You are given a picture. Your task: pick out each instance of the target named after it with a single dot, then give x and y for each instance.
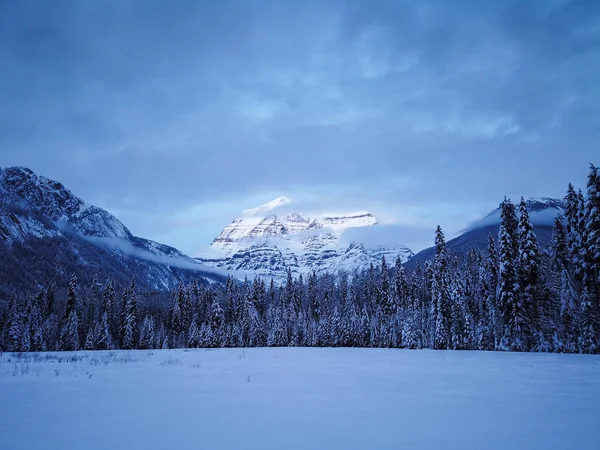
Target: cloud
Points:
(129, 249)
(182, 113)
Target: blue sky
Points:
(176, 116)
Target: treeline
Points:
(514, 296)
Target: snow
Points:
(297, 398)
(263, 242)
(279, 201)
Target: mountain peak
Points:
(266, 242)
(269, 206)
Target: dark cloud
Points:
(422, 111)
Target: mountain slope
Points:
(265, 241)
(542, 212)
(47, 233)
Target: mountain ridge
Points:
(36, 208)
(264, 242)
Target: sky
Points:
(177, 116)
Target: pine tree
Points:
(71, 298)
(129, 319)
(567, 314)
(402, 291)
(193, 339)
(529, 309)
(70, 333)
(108, 300)
(104, 337)
(177, 322)
(440, 307)
(69, 339)
(508, 287)
(572, 214)
(216, 321)
(489, 327)
(90, 338)
(206, 336)
(38, 342)
(313, 298)
(560, 250)
(147, 336)
(588, 338)
(591, 235)
(387, 302)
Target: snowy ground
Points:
(295, 398)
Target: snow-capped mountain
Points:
(33, 207)
(265, 241)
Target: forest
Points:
(512, 296)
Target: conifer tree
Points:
(508, 287)
(69, 339)
(177, 322)
(193, 339)
(591, 236)
(530, 308)
(104, 336)
(216, 321)
(402, 290)
(129, 319)
(440, 307)
(387, 302)
(588, 338)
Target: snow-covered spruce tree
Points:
(38, 341)
(231, 294)
(216, 322)
(104, 336)
(90, 338)
(206, 337)
(560, 249)
(313, 298)
(580, 258)
(177, 319)
(588, 337)
(440, 306)
(532, 313)
(591, 236)
(257, 328)
(147, 335)
(461, 330)
(574, 233)
(193, 336)
(565, 335)
(387, 304)
(511, 317)
(488, 330)
(129, 318)
(69, 336)
(277, 335)
(402, 289)
(108, 300)
(14, 325)
(259, 297)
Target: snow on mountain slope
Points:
(265, 243)
(59, 205)
(33, 206)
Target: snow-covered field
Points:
(297, 398)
